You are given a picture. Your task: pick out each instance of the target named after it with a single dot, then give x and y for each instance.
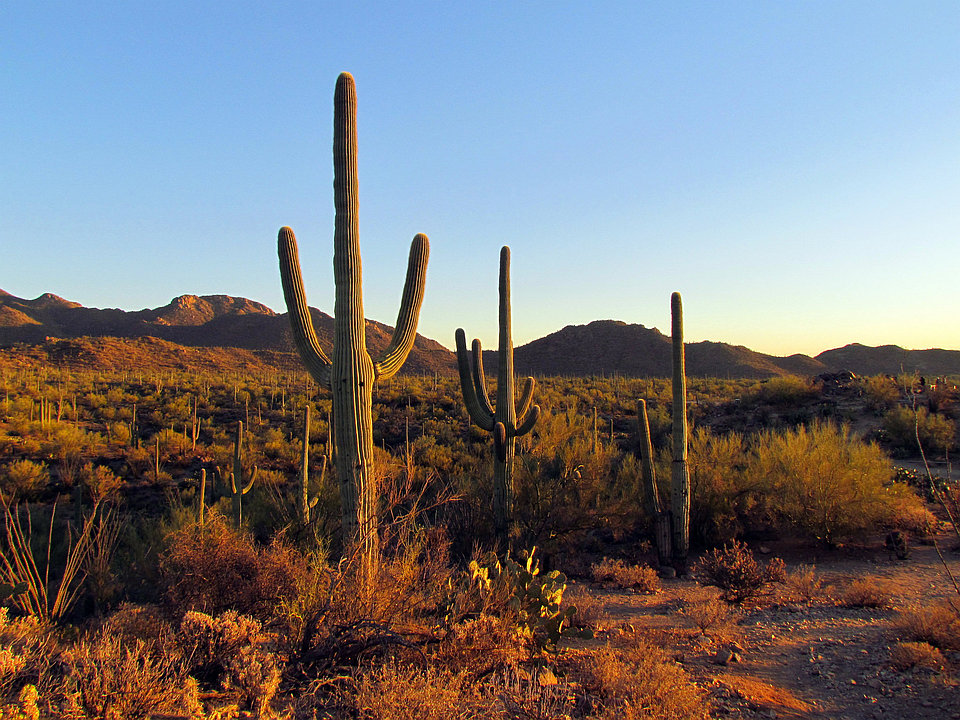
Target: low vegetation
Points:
(123, 599)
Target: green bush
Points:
(23, 478)
(826, 482)
(902, 425)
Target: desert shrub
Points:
(119, 433)
(864, 592)
(786, 391)
(734, 570)
(721, 494)
(907, 655)
(23, 479)
(109, 679)
(938, 625)
(26, 651)
(707, 614)
(101, 482)
(881, 392)
(639, 682)
(901, 425)
(804, 583)
(591, 611)
(641, 578)
(215, 567)
(824, 481)
(393, 692)
(231, 648)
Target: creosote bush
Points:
(215, 567)
(641, 578)
(864, 592)
(734, 570)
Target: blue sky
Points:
(792, 168)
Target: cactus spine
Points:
(351, 372)
(508, 421)
(680, 477)
(237, 486)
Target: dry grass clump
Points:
(804, 583)
(737, 574)
(637, 682)
(866, 593)
(907, 655)
(215, 567)
(110, 678)
(481, 646)
(938, 625)
(708, 614)
(392, 692)
(640, 578)
(591, 611)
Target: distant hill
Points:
(207, 321)
(600, 347)
(892, 360)
(615, 347)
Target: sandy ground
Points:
(809, 659)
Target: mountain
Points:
(607, 347)
(207, 321)
(892, 360)
(601, 347)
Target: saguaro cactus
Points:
(508, 421)
(239, 488)
(680, 476)
(351, 372)
(307, 503)
(661, 518)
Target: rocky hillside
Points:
(207, 321)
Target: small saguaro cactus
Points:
(661, 517)
(307, 503)
(351, 373)
(508, 421)
(680, 476)
(239, 488)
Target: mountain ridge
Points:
(597, 348)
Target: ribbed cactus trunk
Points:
(506, 415)
(660, 517)
(507, 422)
(680, 477)
(351, 372)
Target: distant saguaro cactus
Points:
(239, 488)
(508, 421)
(680, 476)
(351, 373)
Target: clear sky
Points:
(791, 167)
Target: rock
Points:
(723, 657)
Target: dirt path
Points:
(817, 659)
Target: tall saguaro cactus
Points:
(680, 476)
(508, 421)
(351, 372)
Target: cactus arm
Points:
(479, 376)
(301, 324)
(480, 412)
(526, 397)
(500, 441)
(529, 420)
(405, 332)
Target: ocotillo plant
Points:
(508, 421)
(680, 476)
(661, 518)
(351, 372)
(239, 488)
